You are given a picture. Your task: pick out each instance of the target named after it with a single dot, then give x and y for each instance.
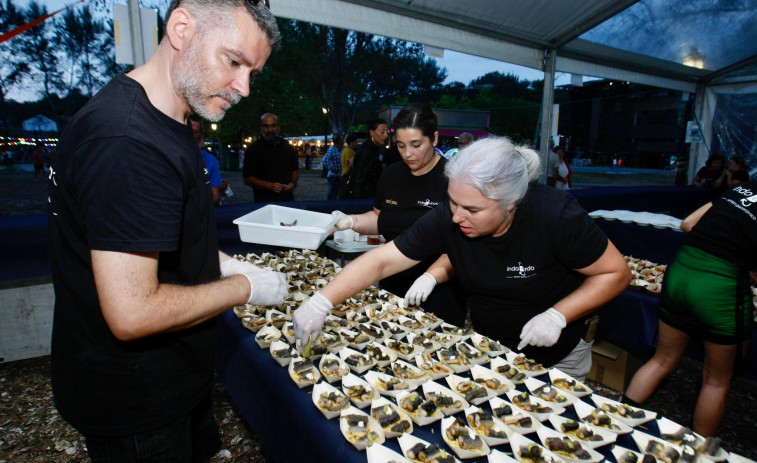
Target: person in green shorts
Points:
(707, 294)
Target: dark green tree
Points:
(13, 66)
(39, 50)
(79, 33)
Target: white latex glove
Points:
(343, 222)
(238, 267)
(421, 289)
(267, 288)
(308, 319)
(543, 330)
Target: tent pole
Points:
(547, 101)
(135, 25)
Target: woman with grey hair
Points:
(533, 262)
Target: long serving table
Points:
(289, 425)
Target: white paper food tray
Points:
(263, 226)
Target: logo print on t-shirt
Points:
(207, 174)
(428, 203)
(520, 271)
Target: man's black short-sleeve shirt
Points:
(511, 278)
(127, 178)
(273, 163)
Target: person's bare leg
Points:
(671, 344)
(716, 381)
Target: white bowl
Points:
(541, 416)
(563, 398)
(304, 380)
(417, 418)
(499, 362)
(618, 451)
(481, 343)
(408, 441)
(484, 432)
(544, 433)
(404, 418)
(428, 319)
(351, 436)
(266, 336)
(642, 439)
(511, 356)
(517, 413)
(555, 375)
(378, 382)
(475, 356)
(499, 457)
(351, 381)
(667, 426)
(633, 422)
(460, 403)
(454, 382)
(404, 356)
(392, 356)
(456, 330)
(459, 365)
(341, 371)
(463, 453)
(378, 453)
(346, 352)
(394, 330)
(607, 436)
(428, 345)
(481, 373)
(324, 388)
(416, 375)
(517, 441)
(436, 370)
(278, 346)
(616, 427)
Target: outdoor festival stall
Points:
(264, 390)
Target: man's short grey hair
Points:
(497, 168)
(467, 134)
(218, 13)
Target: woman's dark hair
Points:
(713, 158)
(373, 123)
(350, 138)
(417, 116)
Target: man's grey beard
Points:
(190, 85)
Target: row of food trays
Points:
(377, 366)
(646, 275)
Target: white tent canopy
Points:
(683, 46)
(40, 123)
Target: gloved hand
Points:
(421, 289)
(308, 319)
(267, 288)
(344, 221)
(543, 330)
(234, 266)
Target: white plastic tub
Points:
(264, 226)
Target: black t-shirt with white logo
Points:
(729, 228)
(513, 277)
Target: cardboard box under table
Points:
(611, 365)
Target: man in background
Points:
(270, 164)
(133, 243)
(332, 162)
(465, 139)
(348, 157)
(211, 163)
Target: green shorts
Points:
(706, 296)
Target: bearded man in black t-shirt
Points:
(271, 164)
(133, 245)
